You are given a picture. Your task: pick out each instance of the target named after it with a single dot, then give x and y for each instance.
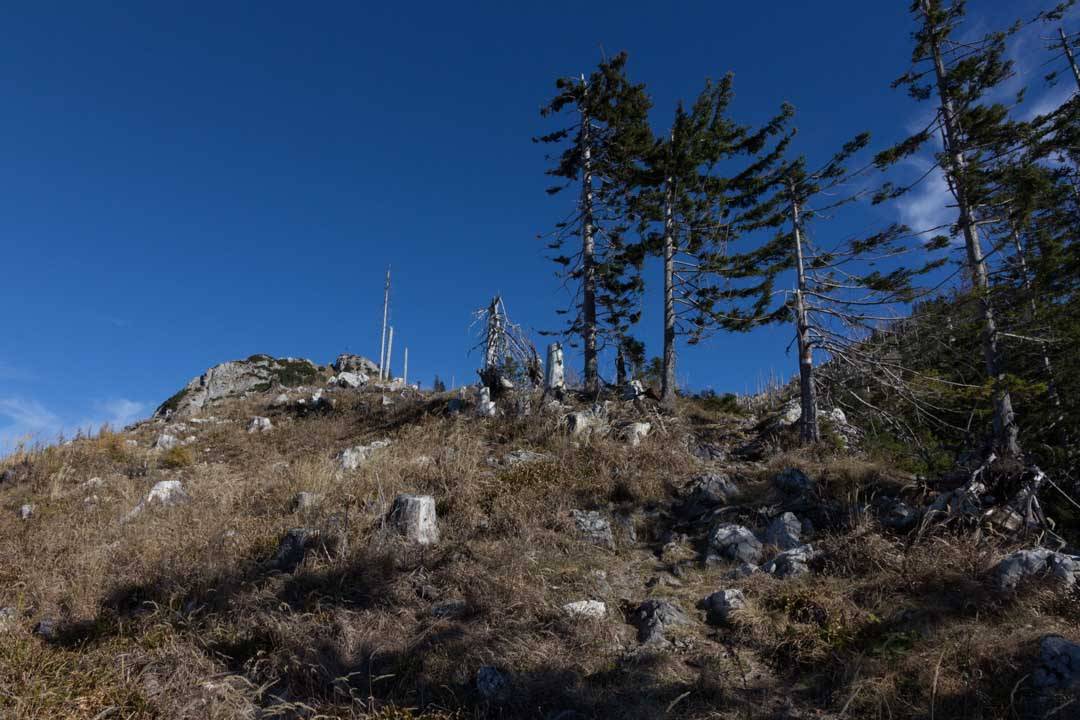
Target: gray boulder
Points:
(414, 517)
(164, 493)
(234, 378)
(350, 379)
(653, 617)
(784, 531)
(721, 604)
(26, 511)
(706, 492)
(1059, 663)
(593, 527)
(791, 563)
(793, 481)
(734, 542)
(1023, 565)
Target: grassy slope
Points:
(175, 614)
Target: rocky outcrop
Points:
(354, 457)
(721, 604)
(255, 374)
(349, 363)
(784, 531)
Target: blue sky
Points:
(187, 183)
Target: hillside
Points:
(206, 564)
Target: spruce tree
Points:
(957, 76)
(688, 208)
(600, 153)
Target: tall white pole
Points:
(383, 360)
(389, 348)
(405, 372)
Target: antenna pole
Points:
(383, 354)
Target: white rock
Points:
(414, 517)
(592, 609)
(166, 441)
(636, 432)
(354, 457)
(633, 390)
(168, 493)
(484, 406)
(26, 511)
(350, 379)
(260, 424)
(280, 400)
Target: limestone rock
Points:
(706, 492)
(350, 379)
(793, 481)
(280, 400)
(634, 433)
(234, 378)
(1023, 565)
(48, 629)
(260, 424)
(633, 390)
(594, 527)
(516, 457)
(653, 617)
(784, 532)
(1059, 663)
(354, 457)
(414, 517)
(9, 618)
(791, 563)
(26, 511)
(484, 405)
(165, 441)
(348, 363)
(722, 603)
(165, 493)
(734, 542)
(590, 609)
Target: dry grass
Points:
(176, 613)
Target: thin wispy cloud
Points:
(29, 421)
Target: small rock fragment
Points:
(593, 609)
(653, 617)
(26, 511)
(791, 563)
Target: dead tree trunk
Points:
(588, 255)
(808, 422)
(1006, 432)
(667, 383)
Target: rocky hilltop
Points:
(287, 540)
